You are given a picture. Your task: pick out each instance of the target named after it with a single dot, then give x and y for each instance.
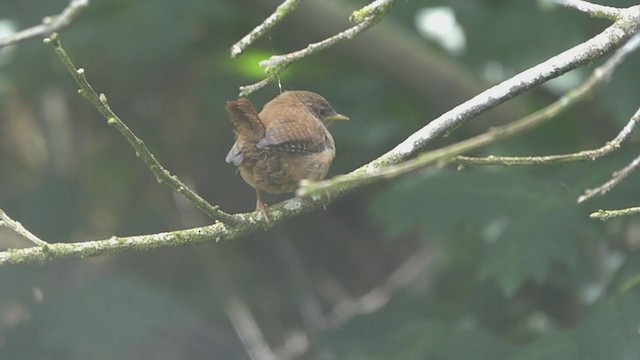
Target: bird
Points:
(288, 141)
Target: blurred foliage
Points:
(527, 223)
(519, 270)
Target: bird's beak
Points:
(336, 117)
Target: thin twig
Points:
(162, 175)
(275, 65)
(594, 154)
(616, 178)
(248, 89)
(481, 103)
(347, 308)
(609, 214)
(8, 222)
(49, 25)
(282, 10)
(594, 10)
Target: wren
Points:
(286, 142)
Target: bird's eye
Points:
(323, 112)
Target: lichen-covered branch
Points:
(611, 38)
(218, 232)
(275, 65)
(162, 175)
(282, 10)
(49, 24)
(8, 222)
(376, 8)
(610, 214)
(114, 245)
(594, 10)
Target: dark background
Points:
(506, 265)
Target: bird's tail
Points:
(245, 119)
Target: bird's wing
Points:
(304, 135)
(235, 155)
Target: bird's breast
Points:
(278, 172)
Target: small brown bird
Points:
(287, 142)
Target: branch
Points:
(607, 149)
(218, 232)
(609, 214)
(248, 89)
(113, 245)
(594, 10)
(282, 10)
(49, 24)
(616, 178)
(275, 65)
(609, 39)
(8, 222)
(599, 75)
(162, 175)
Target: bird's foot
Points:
(262, 207)
(263, 210)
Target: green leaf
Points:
(610, 332)
(528, 223)
(434, 340)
